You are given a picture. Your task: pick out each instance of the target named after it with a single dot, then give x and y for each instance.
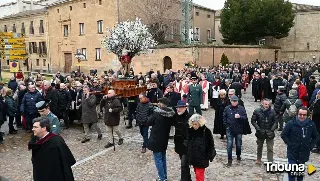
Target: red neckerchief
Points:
(46, 138)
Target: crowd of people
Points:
(172, 106)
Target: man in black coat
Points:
(51, 157)
(50, 93)
(144, 111)
(311, 86)
(280, 99)
(256, 88)
(266, 87)
(155, 93)
(161, 121)
(64, 104)
(181, 136)
(264, 121)
(237, 86)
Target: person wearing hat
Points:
(280, 99)
(195, 98)
(161, 121)
(43, 109)
(181, 125)
(234, 117)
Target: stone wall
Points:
(304, 38)
(244, 55)
(203, 56)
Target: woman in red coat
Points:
(303, 93)
(20, 75)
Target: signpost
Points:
(23, 46)
(14, 57)
(14, 66)
(13, 52)
(11, 40)
(12, 48)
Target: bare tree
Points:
(162, 16)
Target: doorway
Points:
(167, 63)
(67, 62)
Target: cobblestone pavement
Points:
(94, 162)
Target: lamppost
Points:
(80, 57)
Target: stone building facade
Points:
(35, 26)
(218, 36)
(81, 26)
(303, 42)
(203, 24)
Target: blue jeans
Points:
(144, 133)
(238, 139)
(161, 164)
(294, 178)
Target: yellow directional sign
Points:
(13, 52)
(12, 46)
(12, 40)
(11, 35)
(14, 57)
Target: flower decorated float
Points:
(126, 40)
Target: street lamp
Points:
(80, 57)
(314, 58)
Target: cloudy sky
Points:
(218, 4)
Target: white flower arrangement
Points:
(130, 35)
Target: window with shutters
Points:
(14, 30)
(81, 26)
(65, 30)
(31, 29)
(30, 47)
(41, 28)
(100, 26)
(84, 52)
(5, 29)
(42, 48)
(98, 54)
(23, 29)
(34, 47)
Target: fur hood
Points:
(166, 112)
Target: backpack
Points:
(292, 110)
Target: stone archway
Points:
(167, 63)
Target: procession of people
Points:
(172, 107)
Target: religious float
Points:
(128, 39)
